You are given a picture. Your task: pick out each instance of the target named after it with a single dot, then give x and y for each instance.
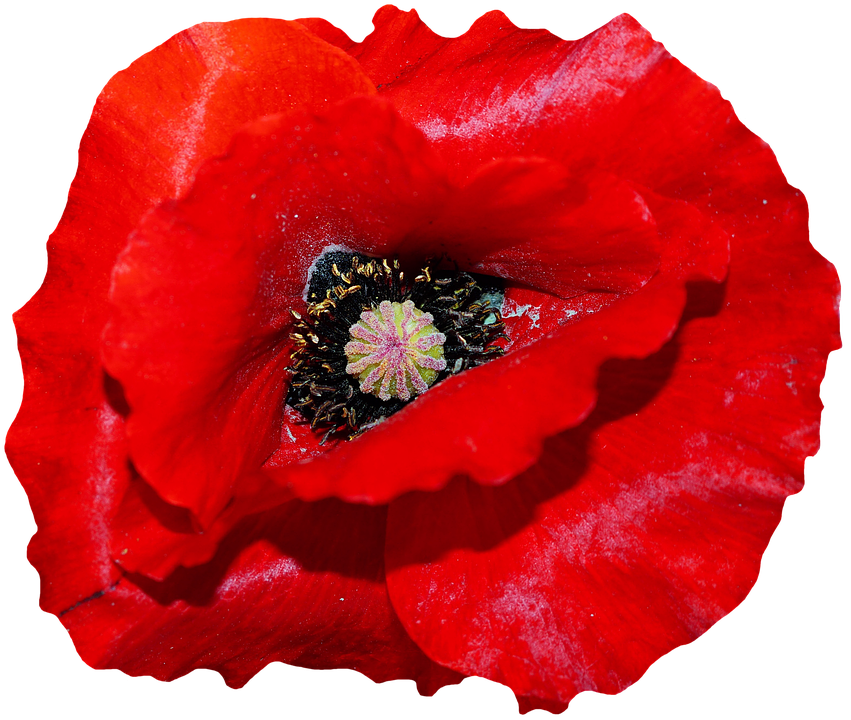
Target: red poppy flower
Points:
(555, 519)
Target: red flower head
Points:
(426, 357)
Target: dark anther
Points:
(464, 308)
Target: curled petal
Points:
(199, 337)
(637, 531)
(489, 423)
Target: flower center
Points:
(370, 341)
(395, 351)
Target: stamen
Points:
(368, 342)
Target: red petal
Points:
(303, 585)
(199, 337)
(206, 82)
(637, 531)
(67, 435)
(614, 100)
(498, 90)
(474, 420)
(67, 447)
(588, 567)
(530, 220)
(632, 535)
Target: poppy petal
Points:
(68, 438)
(614, 100)
(638, 530)
(489, 422)
(302, 585)
(199, 337)
(532, 221)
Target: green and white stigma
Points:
(395, 351)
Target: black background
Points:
(767, 657)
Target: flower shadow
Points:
(115, 395)
(329, 536)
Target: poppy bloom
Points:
(402, 565)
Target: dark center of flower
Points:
(370, 343)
